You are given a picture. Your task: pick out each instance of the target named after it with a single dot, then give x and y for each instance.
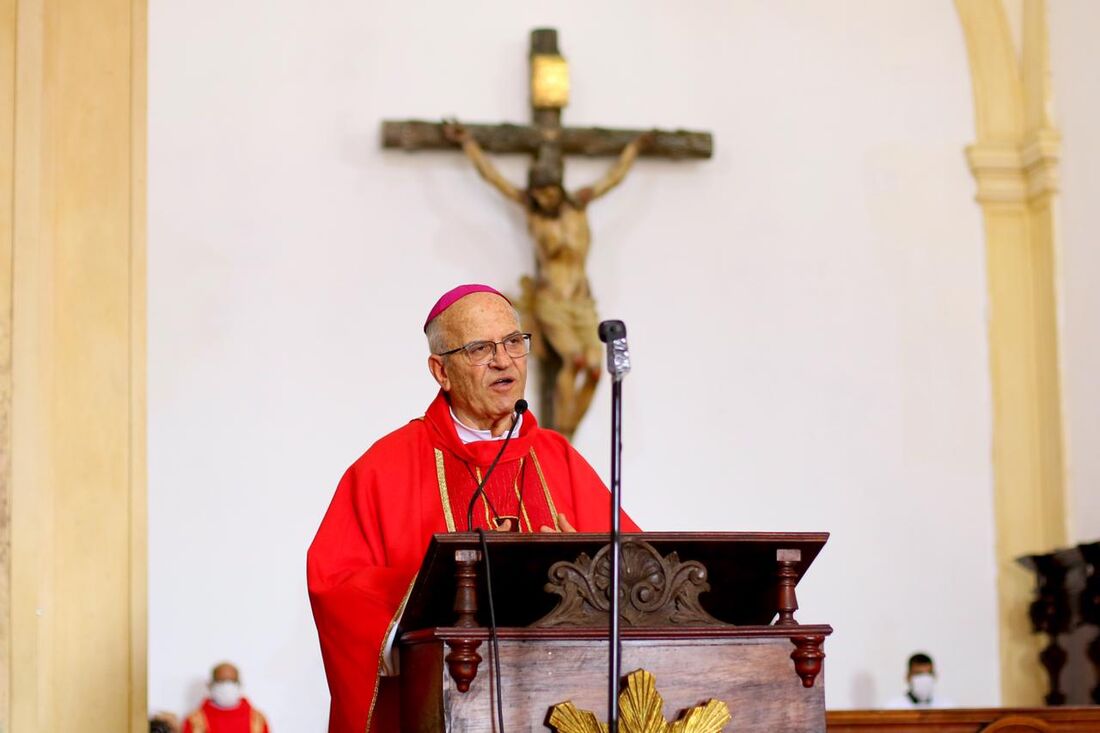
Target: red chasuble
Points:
(409, 485)
(211, 719)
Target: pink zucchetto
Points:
(453, 295)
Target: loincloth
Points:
(570, 325)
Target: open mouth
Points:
(503, 383)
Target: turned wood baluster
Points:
(787, 602)
(463, 659)
(1090, 606)
(1050, 615)
(808, 656)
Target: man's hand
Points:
(455, 131)
(503, 524)
(562, 522)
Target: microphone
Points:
(613, 333)
(519, 409)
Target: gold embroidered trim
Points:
(546, 490)
(484, 498)
(256, 722)
(519, 496)
(444, 496)
(382, 650)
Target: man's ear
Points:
(439, 372)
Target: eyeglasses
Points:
(479, 353)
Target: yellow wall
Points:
(1014, 161)
(75, 241)
(7, 181)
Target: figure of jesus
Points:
(562, 302)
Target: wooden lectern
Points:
(711, 616)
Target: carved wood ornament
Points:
(640, 711)
(1051, 614)
(1089, 604)
(655, 590)
(659, 594)
(808, 656)
(463, 659)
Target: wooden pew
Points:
(985, 720)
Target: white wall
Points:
(806, 310)
(1073, 25)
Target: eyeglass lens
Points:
(482, 352)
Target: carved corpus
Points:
(654, 590)
(640, 712)
(463, 659)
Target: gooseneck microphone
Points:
(519, 409)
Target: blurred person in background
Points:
(922, 693)
(225, 710)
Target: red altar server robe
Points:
(211, 719)
(409, 485)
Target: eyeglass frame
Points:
(495, 344)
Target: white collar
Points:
(472, 435)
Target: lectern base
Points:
(755, 677)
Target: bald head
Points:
(444, 331)
(225, 672)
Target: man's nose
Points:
(501, 358)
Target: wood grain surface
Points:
(754, 677)
(987, 720)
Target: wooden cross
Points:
(545, 138)
(559, 307)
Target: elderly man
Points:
(420, 480)
(225, 710)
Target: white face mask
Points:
(922, 685)
(226, 694)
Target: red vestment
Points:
(209, 718)
(409, 485)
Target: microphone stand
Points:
(613, 333)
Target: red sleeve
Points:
(354, 596)
(187, 725)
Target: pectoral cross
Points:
(557, 301)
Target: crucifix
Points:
(557, 303)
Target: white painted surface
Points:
(1074, 62)
(806, 310)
